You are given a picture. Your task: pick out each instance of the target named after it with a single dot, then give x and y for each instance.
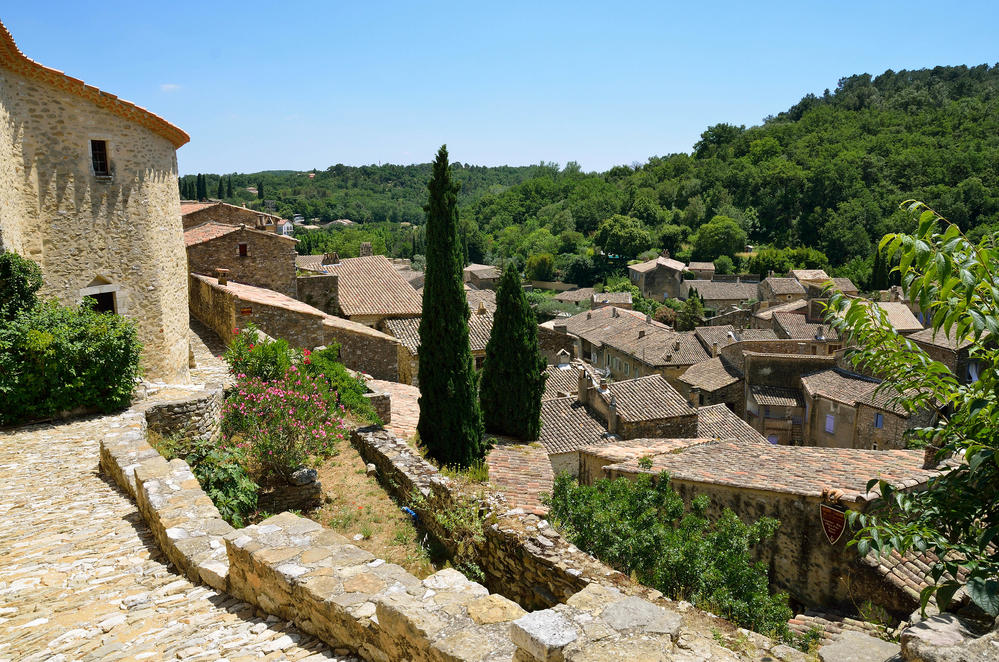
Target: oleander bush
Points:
(348, 390)
(254, 355)
(56, 358)
(643, 528)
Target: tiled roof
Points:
(264, 296)
(790, 306)
(310, 262)
(720, 422)
(612, 297)
(899, 316)
(207, 231)
(800, 470)
(839, 385)
(13, 59)
(189, 206)
(573, 296)
(483, 270)
(563, 381)
(407, 330)
(845, 285)
(566, 426)
(631, 332)
(702, 266)
(808, 274)
(371, 286)
(522, 472)
(665, 262)
(783, 286)
(474, 297)
(647, 399)
(884, 399)
(777, 396)
(633, 449)
(714, 290)
(929, 336)
(710, 375)
(757, 334)
(797, 328)
(831, 625)
(723, 335)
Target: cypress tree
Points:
(228, 187)
(450, 424)
(260, 190)
(513, 378)
(202, 187)
(221, 191)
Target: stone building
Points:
(718, 295)
(369, 289)
(253, 257)
(713, 382)
(194, 213)
(407, 330)
(775, 290)
(952, 353)
(482, 276)
(618, 299)
(658, 279)
(702, 270)
(644, 407)
(88, 190)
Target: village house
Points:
(369, 289)
(806, 276)
(643, 407)
(816, 290)
(718, 295)
(702, 270)
(774, 290)
(711, 382)
(578, 297)
(566, 426)
(658, 279)
(824, 339)
(88, 191)
(194, 213)
(763, 318)
(955, 355)
(482, 276)
(626, 344)
(253, 257)
(790, 485)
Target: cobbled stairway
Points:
(81, 577)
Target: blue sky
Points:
(297, 85)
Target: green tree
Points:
(671, 237)
(690, 316)
(622, 236)
(450, 425)
(540, 267)
(228, 187)
(719, 236)
(513, 375)
(956, 517)
(202, 191)
(220, 193)
(20, 280)
(724, 265)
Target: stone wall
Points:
(780, 369)
(298, 571)
(121, 233)
(363, 348)
(290, 497)
(844, 420)
(735, 352)
(230, 215)
(198, 416)
(269, 261)
(551, 341)
(215, 307)
(319, 291)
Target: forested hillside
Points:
(827, 174)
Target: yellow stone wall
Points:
(125, 231)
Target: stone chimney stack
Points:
(695, 397)
(714, 348)
(223, 275)
(582, 387)
(612, 417)
(365, 249)
(481, 310)
(641, 333)
(613, 312)
(331, 258)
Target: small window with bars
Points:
(99, 157)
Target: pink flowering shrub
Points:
(282, 424)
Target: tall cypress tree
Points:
(513, 378)
(202, 187)
(260, 190)
(450, 419)
(221, 190)
(228, 187)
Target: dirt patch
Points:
(355, 505)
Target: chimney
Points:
(481, 310)
(612, 418)
(223, 276)
(562, 357)
(365, 249)
(676, 345)
(695, 397)
(613, 312)
(603, 383)
(641, 333)
(648, 319)
(588, 314)
(714, 348)
(561, 327)
(582, 386)
(930, 456)
(819, 335)
(331, 258)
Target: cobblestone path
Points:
(81, 577)
(405, 407)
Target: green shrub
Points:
(220, 471)
(251, 355)
(54, 358)
(642, 527)
(20, 280)
(347, 390)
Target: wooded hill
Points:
(828, 173)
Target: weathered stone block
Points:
(543, 634)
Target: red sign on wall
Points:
(245, 311)
(833, 522)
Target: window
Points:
(830, 423)
(879, 421)
(99, 156)
(243, 250)
(104, 301)
(627, 369)
(772, 439)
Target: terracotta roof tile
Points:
(767, 314)
(899, 316)
(573, 296)
(633, 449)
(371, 286)
(407, 330)
(929, 336)
(189, 206)
(206, 232)
(483, 270)
(702, 266)
(562, 381)
(612, 297)
(522, 472)
(839, 385)
(566, 426)
(797, 328)
(665, 262)
(714, 290)
(631, 332)
(777, 396)
(724, 335)
(264, 296)
(789, 469)
(647, 399)
(720, 422)
(711, 375)
(808, 274)
(782, 286)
